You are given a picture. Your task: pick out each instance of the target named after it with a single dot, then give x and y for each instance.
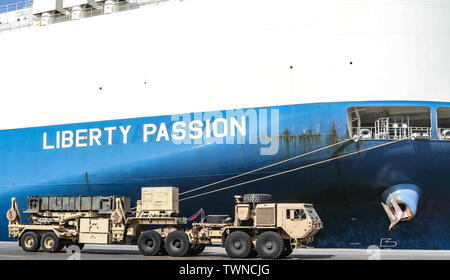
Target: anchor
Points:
(395, 213)
(400, 203)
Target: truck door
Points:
(295, 222)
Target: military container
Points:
(160, 200)
(102, 204)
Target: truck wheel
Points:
(238, 244)
(177, 243)
(257, 198)
(30, 241)
(149, 243)
(50, 242)
(269, 245)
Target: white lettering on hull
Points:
(205, 128)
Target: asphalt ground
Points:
(12, 251)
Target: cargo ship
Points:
(344, 104)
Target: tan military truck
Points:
(260, 228)
(270, 230)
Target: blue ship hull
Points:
(346, 192)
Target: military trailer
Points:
(260, 228)
(57, 221)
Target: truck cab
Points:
(271, 230)
(298, 220)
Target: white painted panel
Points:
(72, 3)
(199, 55)
(44, 6)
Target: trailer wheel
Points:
(30, 241)
(238, 244)
(177, 243)
(149, 243)
(51, 243)
(270, 245)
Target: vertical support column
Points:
(434, 123)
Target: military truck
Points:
(260, 228)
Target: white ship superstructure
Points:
(29, 13)
(202, 55)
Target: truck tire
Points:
(177, 243)
(30, 241)
(257, 198)
(149, 243)
(238, 244)
(270, 245)
(50, 243)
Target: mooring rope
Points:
(294, 169)
(264, 167)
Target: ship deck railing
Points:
(444, 133)
(391, 133)
(12, 7)
(37, 20)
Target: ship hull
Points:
(346, 192)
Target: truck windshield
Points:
(312, 212)
(299, 214)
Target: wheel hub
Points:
(49, 242)
(29, 242)
(237, 245)
(149, 243)
(269, 245)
